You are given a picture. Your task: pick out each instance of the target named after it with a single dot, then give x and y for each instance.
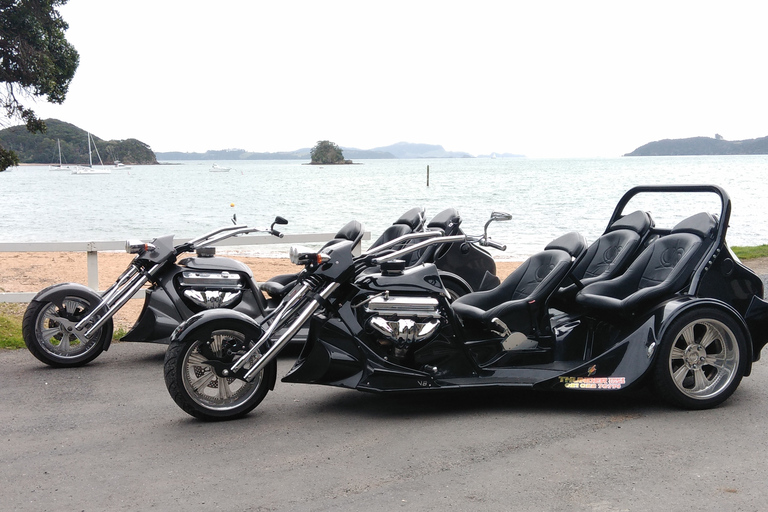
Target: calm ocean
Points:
(547, 197)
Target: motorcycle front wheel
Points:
(193, 375)
(49, 333)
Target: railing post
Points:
(92, 261)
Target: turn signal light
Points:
(137, 246)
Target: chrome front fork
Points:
(114, 298)
(280, 319)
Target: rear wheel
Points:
(49, 332)
(195, 369)
(702, 359)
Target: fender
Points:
(458, 282)
(57, 292)
(211, 319)
(676, 307)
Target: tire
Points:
(195, 386)
(454, 288)
(702, 359)
(48, 331)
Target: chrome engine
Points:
(403, 321)
(211, 290)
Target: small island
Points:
(703, 146)
(326, 152)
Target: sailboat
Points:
(90, 169)
(60, 167)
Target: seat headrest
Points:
(701, 224)
(447, 220)
(572, 243)
(352, 231)
(413, 218)
(638, 221)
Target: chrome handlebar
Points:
(481, 240)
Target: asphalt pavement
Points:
(107, 436)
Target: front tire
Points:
(196, 386)
(702, 359)
(48, 330)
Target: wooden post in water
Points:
(427, 175)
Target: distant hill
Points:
(501, 155)
(241, 154)
(42, 148)
(411, 150)
(703, 146)
(231, 154)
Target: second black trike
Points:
(670, 306)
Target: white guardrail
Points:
(92, 250)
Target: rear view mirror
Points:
(280, 220)
(495, 216)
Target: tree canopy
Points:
(35, 60)
(326, 152)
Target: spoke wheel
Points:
(50, 335)
(194, 374)
(702, 359)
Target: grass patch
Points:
(11, 315)
(10, 325)
(750, 252)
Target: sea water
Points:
(547, 197)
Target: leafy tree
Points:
(326, 152)
(35, 60)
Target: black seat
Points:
(279, 285)
(409, 222)
(449, 222)
(662, 270)
(608, 256)
(520, 301)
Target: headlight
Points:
(137, 246)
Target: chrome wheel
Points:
(704, 359)
(49, 330)
(208, 387)
(55, 328)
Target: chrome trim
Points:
(221, 279)
(113, 292)
(439, 240)
(308, 311)
(402, 239)
(216, 232)
(404, 306)
(211, 299)
(282, 312)
(404, 330)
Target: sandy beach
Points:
(33, 271)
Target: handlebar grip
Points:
(495, 245)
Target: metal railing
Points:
(92, 250)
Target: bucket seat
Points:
(608, 256)
(663, 269)
(520, 300)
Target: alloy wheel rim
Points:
(55, 329)
(200, 379)
(703, 359)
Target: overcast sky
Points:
(544, 79)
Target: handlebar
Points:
(490, 243)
